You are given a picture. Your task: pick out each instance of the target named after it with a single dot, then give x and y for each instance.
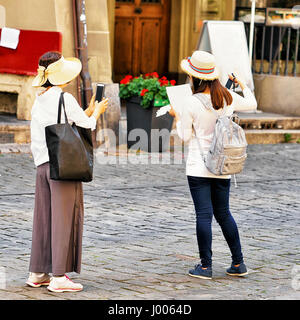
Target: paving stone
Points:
(139, 232)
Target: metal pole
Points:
(83, 52)
(251, 30)
(282, 34)
(262, 50)
(83, 56)
(296, 54)
(254, 50)
(279, 51)
(287, 52)
(271, 49)
(75, 29)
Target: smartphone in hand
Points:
(99, 92)
(229, 82)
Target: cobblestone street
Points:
(139, 234)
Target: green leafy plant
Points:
(149, 87)
(287, 137)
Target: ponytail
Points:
(217, 92)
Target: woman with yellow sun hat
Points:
(58, 213)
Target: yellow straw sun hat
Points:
(200, 65)
(59, 72)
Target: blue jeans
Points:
(211, 197)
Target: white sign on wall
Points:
(227, 41)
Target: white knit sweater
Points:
(44, 113)
(203, 120)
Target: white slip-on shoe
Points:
(62, 284)
(36, 280)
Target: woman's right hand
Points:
(100, 107)
(173, 113)
(237, 81)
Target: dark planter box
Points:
(155, 136)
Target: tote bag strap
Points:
(61, 102)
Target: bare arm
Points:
(245, 103)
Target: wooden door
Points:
(141, 37)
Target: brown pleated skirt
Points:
(57, 225)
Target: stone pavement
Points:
(139, 232)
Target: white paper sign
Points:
(9, 38)
(227, 41)
(177, 96)
(163, 110)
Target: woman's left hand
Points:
(91, 108)
(173, 113)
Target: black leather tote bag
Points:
(70, 149)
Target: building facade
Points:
(123, 36)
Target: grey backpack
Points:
(227, 153)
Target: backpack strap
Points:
(207, 104)
(205, 100)
(199, 145)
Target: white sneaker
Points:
(38, 279)
(61, 284)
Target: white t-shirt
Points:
(44, 113)
(203, 120)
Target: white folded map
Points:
(177, 95)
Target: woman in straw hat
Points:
(58, 213)
(210, 193)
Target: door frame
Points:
(165, 23)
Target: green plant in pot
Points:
(144, 95)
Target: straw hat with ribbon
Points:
(59, 72)
(200, 65)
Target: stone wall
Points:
(57, 15)
(20, 86)
(278, 94)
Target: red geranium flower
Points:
(143, 92)
(154, 94)
(152, 74)
(163, 81)
(126, 79)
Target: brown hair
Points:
(217, 92)
(46, 59)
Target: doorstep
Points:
(265, 120)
